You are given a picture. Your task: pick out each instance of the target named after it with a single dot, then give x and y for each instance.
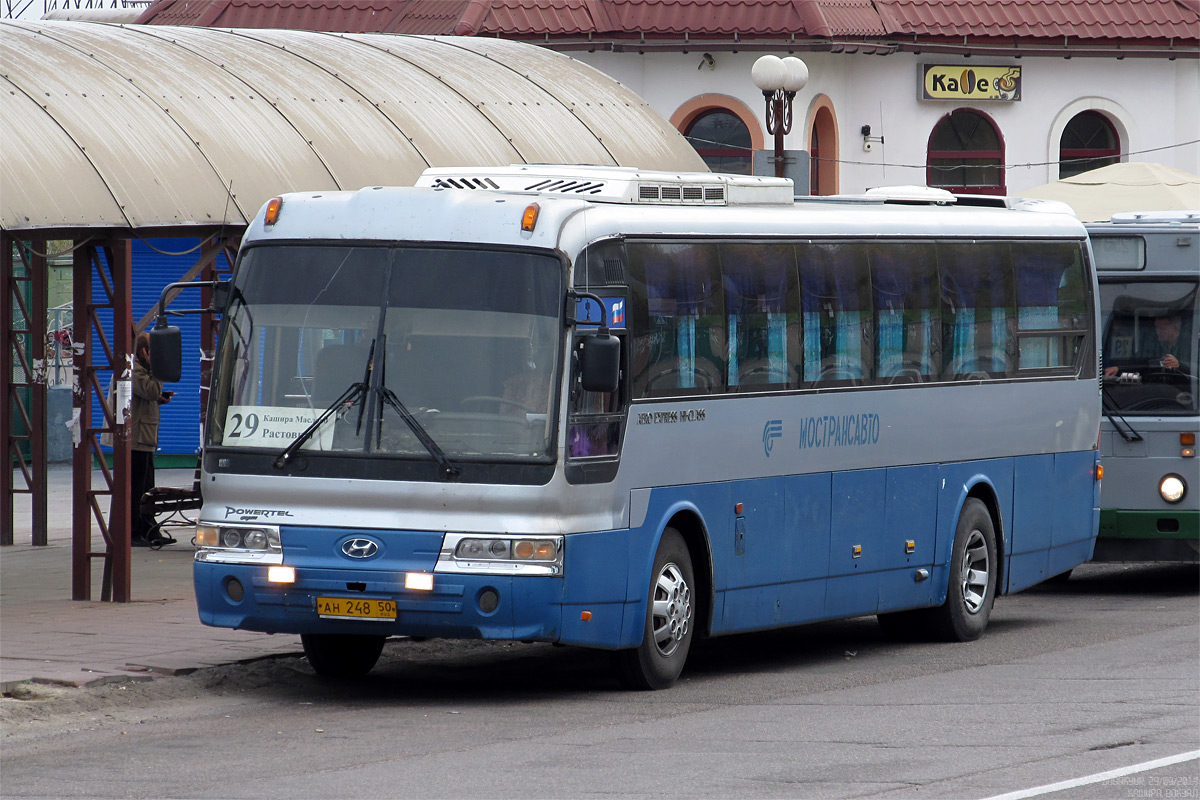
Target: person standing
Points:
(148, 395)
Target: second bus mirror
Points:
(600, 363)
(166, 353)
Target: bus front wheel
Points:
(333, 655)
(973, 570)
(670, 620)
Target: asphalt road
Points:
(1089, 689)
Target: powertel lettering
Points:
(254, 513)
(847, 430)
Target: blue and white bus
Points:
(1148, 265)
(621, 409)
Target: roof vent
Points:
(465, 183)
(566, 186)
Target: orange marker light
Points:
(1099, 471)
(737, 509)
(273, 207)
(529, 220)
(585, 615)
(1187, 439)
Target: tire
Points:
(341, 656)
(670, 620)
(973, 568)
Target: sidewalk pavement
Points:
(47, 637)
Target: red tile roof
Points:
(1077, 19)
(1049, 22)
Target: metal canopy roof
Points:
(151, 126)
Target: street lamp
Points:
(779, 79)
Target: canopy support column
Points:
(22, 369)
(114, 272)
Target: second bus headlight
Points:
(1172, 488)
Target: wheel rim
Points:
(976, 570)
(671, 614)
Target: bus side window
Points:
(907, 312)
(679, 319)
(1051, 304)
(835, 289)
(760, 303)
(977, 309)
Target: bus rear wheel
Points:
(670, 620)
(971, 593)
(973, 570)
(334, 655)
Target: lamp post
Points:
(779, 79)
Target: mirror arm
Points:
(161, 320)
(575, 296)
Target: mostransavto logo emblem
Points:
(360, 548)
(771, 431)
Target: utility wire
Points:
(952, 168)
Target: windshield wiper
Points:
(448, 469)
(357, 389)
(1111, 412)
(351, 395)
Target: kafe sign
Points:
(971, 83)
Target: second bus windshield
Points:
(1150, 346)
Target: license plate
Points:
(355, 608)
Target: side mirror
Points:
(600, 363)
(166, 353)
(221, 292)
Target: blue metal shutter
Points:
(179, 425)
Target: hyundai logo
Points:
(360, 548)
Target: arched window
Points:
(823, 151)
(1088, 142)
(722, 140)
(966, 154)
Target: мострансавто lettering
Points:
(846, 430)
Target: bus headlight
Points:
(1172, 488)
(248, 544)
(496, 555)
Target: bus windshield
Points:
(1150, 347)
(466, 341)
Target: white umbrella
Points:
(1096, 195)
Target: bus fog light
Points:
(489, 600)
(281, 574)
(1172, 488)
(418, 581)
(235, 590)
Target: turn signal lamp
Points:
(281, 574)
(528, 219)
(1187, 445)
(273, 207)
(1099, 472)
